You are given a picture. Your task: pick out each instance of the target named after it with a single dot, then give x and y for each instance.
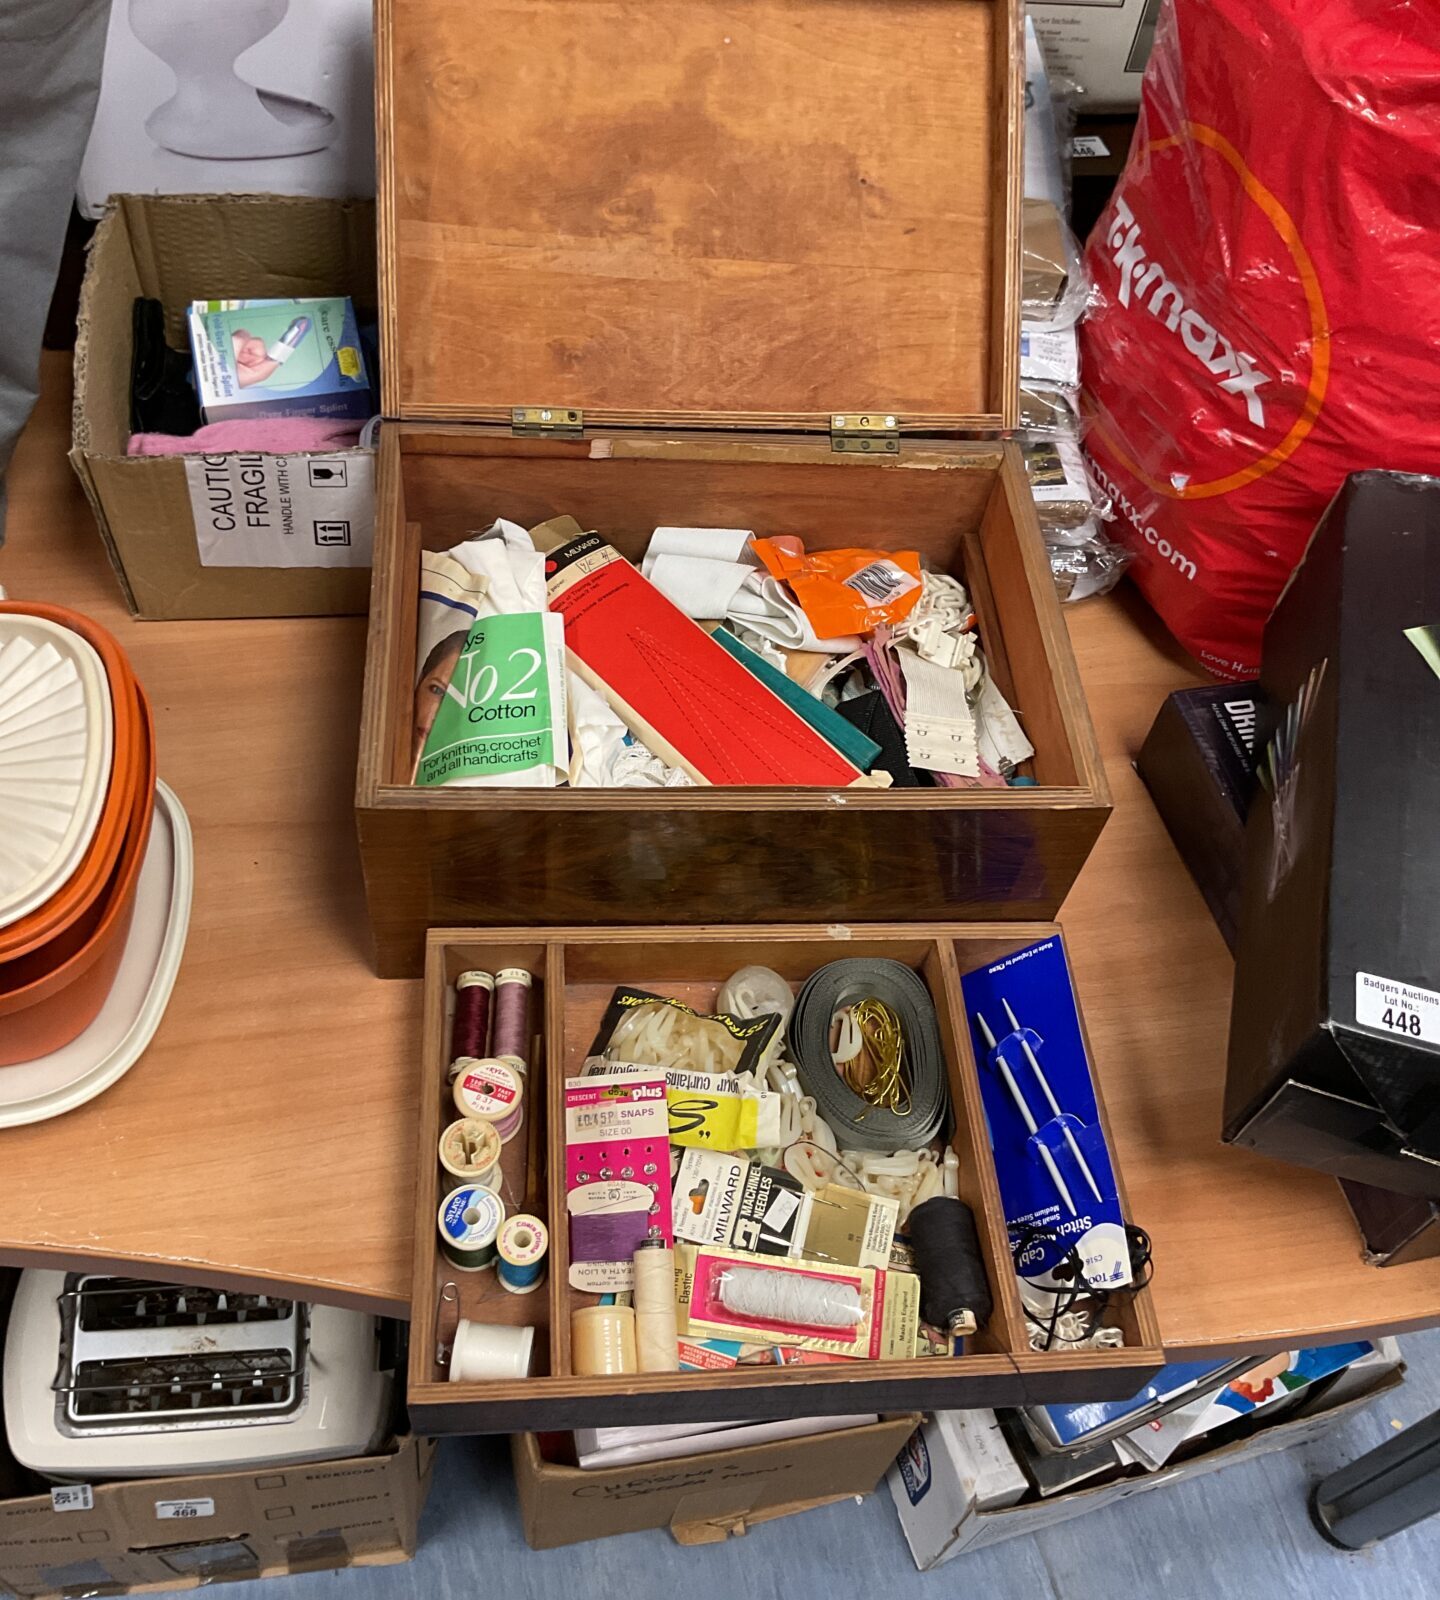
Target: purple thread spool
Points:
(470, 1031)
(511, 1035)
(608, 1235)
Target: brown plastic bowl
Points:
(63, 1000)
(79, 896)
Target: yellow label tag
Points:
(712, 1121)
(349, 358)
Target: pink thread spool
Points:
(491, 1091)
(511, 1032)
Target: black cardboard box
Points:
(1198, 762)
(1335, 1029)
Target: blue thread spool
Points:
(521, 1254)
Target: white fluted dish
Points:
(124, 1026)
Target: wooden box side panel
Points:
(505, 866)
(1043, 675)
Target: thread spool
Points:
(520, 1250)
(602, 1341)
(511, 1029)
(470, 1027)
(492, 1091)
(607, 1235)
(954, 1291)
(470, 1152)
(771, 1294)
(469, 1219)
(656, 1339)
(484, 1351)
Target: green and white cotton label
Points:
(502, 720)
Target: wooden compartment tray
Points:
(575, 970)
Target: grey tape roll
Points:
(857, 1124)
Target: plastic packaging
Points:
(845, 591)
(1054, 291)
(1263, 317)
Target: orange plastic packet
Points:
(845, 591)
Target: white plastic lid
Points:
(57, 730)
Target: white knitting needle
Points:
(1054, 1104)
(1024, 1109)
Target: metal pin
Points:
(1054, 1104)
(1024, 1110)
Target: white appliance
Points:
(239, 97)
(214, 113)
(111, 1377)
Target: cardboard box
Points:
(1198, 762)
(943, 1514)
(180, 1532)
(705, 1498)
(1099, 46)
(304, 522)
(1396, 1228)
(1334, 1058)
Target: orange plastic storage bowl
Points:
(77, 901)
(62, 1001)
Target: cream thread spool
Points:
(657, 1346)
(521, 1251)
(602, 1340)
(484, 1351)
(493, 1091)
(469, 1219)
(470, 1152)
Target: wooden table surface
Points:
(267, 1132)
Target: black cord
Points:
(1073, 1292)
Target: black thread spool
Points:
(954, 1290)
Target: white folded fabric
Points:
(505, 555)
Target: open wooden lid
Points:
(701, 213)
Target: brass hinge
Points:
(553, 422)
(876, 432)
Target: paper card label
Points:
(880, 582)
(503, 712)
(184, 1510)
(1049, 355)
(283, 511)
(1404, 1009)
(72, 1497)
(1088, 146)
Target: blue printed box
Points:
(278, 358)
(1057, 1181)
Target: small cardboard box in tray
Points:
(707, 264)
